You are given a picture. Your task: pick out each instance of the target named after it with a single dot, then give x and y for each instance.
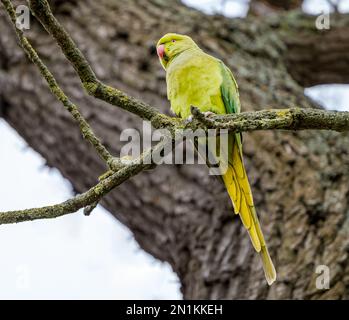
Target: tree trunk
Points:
(179, 214)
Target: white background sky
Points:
(88, 257)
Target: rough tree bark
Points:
(178, 213)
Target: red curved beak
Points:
(161, 51)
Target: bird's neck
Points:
(182, 55)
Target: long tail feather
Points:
(238, 187)
(268, 266)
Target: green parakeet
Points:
(196, 78)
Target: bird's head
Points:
(171, 45)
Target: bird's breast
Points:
(194, 81)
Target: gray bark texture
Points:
(180, 214)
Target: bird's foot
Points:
(189, 120)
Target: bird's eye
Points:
(173, 40)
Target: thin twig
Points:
(72, 205)
(85, 128)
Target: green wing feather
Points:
(230, 96)
(229, 90)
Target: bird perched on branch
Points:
(195, 78)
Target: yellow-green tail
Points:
(268, 266)
(238, 187)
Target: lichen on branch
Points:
(85, 128)
(283, 119)
(41, 10)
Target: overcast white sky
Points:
(87, 257)
(72, 256)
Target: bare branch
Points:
(85, 128)
(42, 11)
(93, 195)
(72, 205)
(285, 119)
